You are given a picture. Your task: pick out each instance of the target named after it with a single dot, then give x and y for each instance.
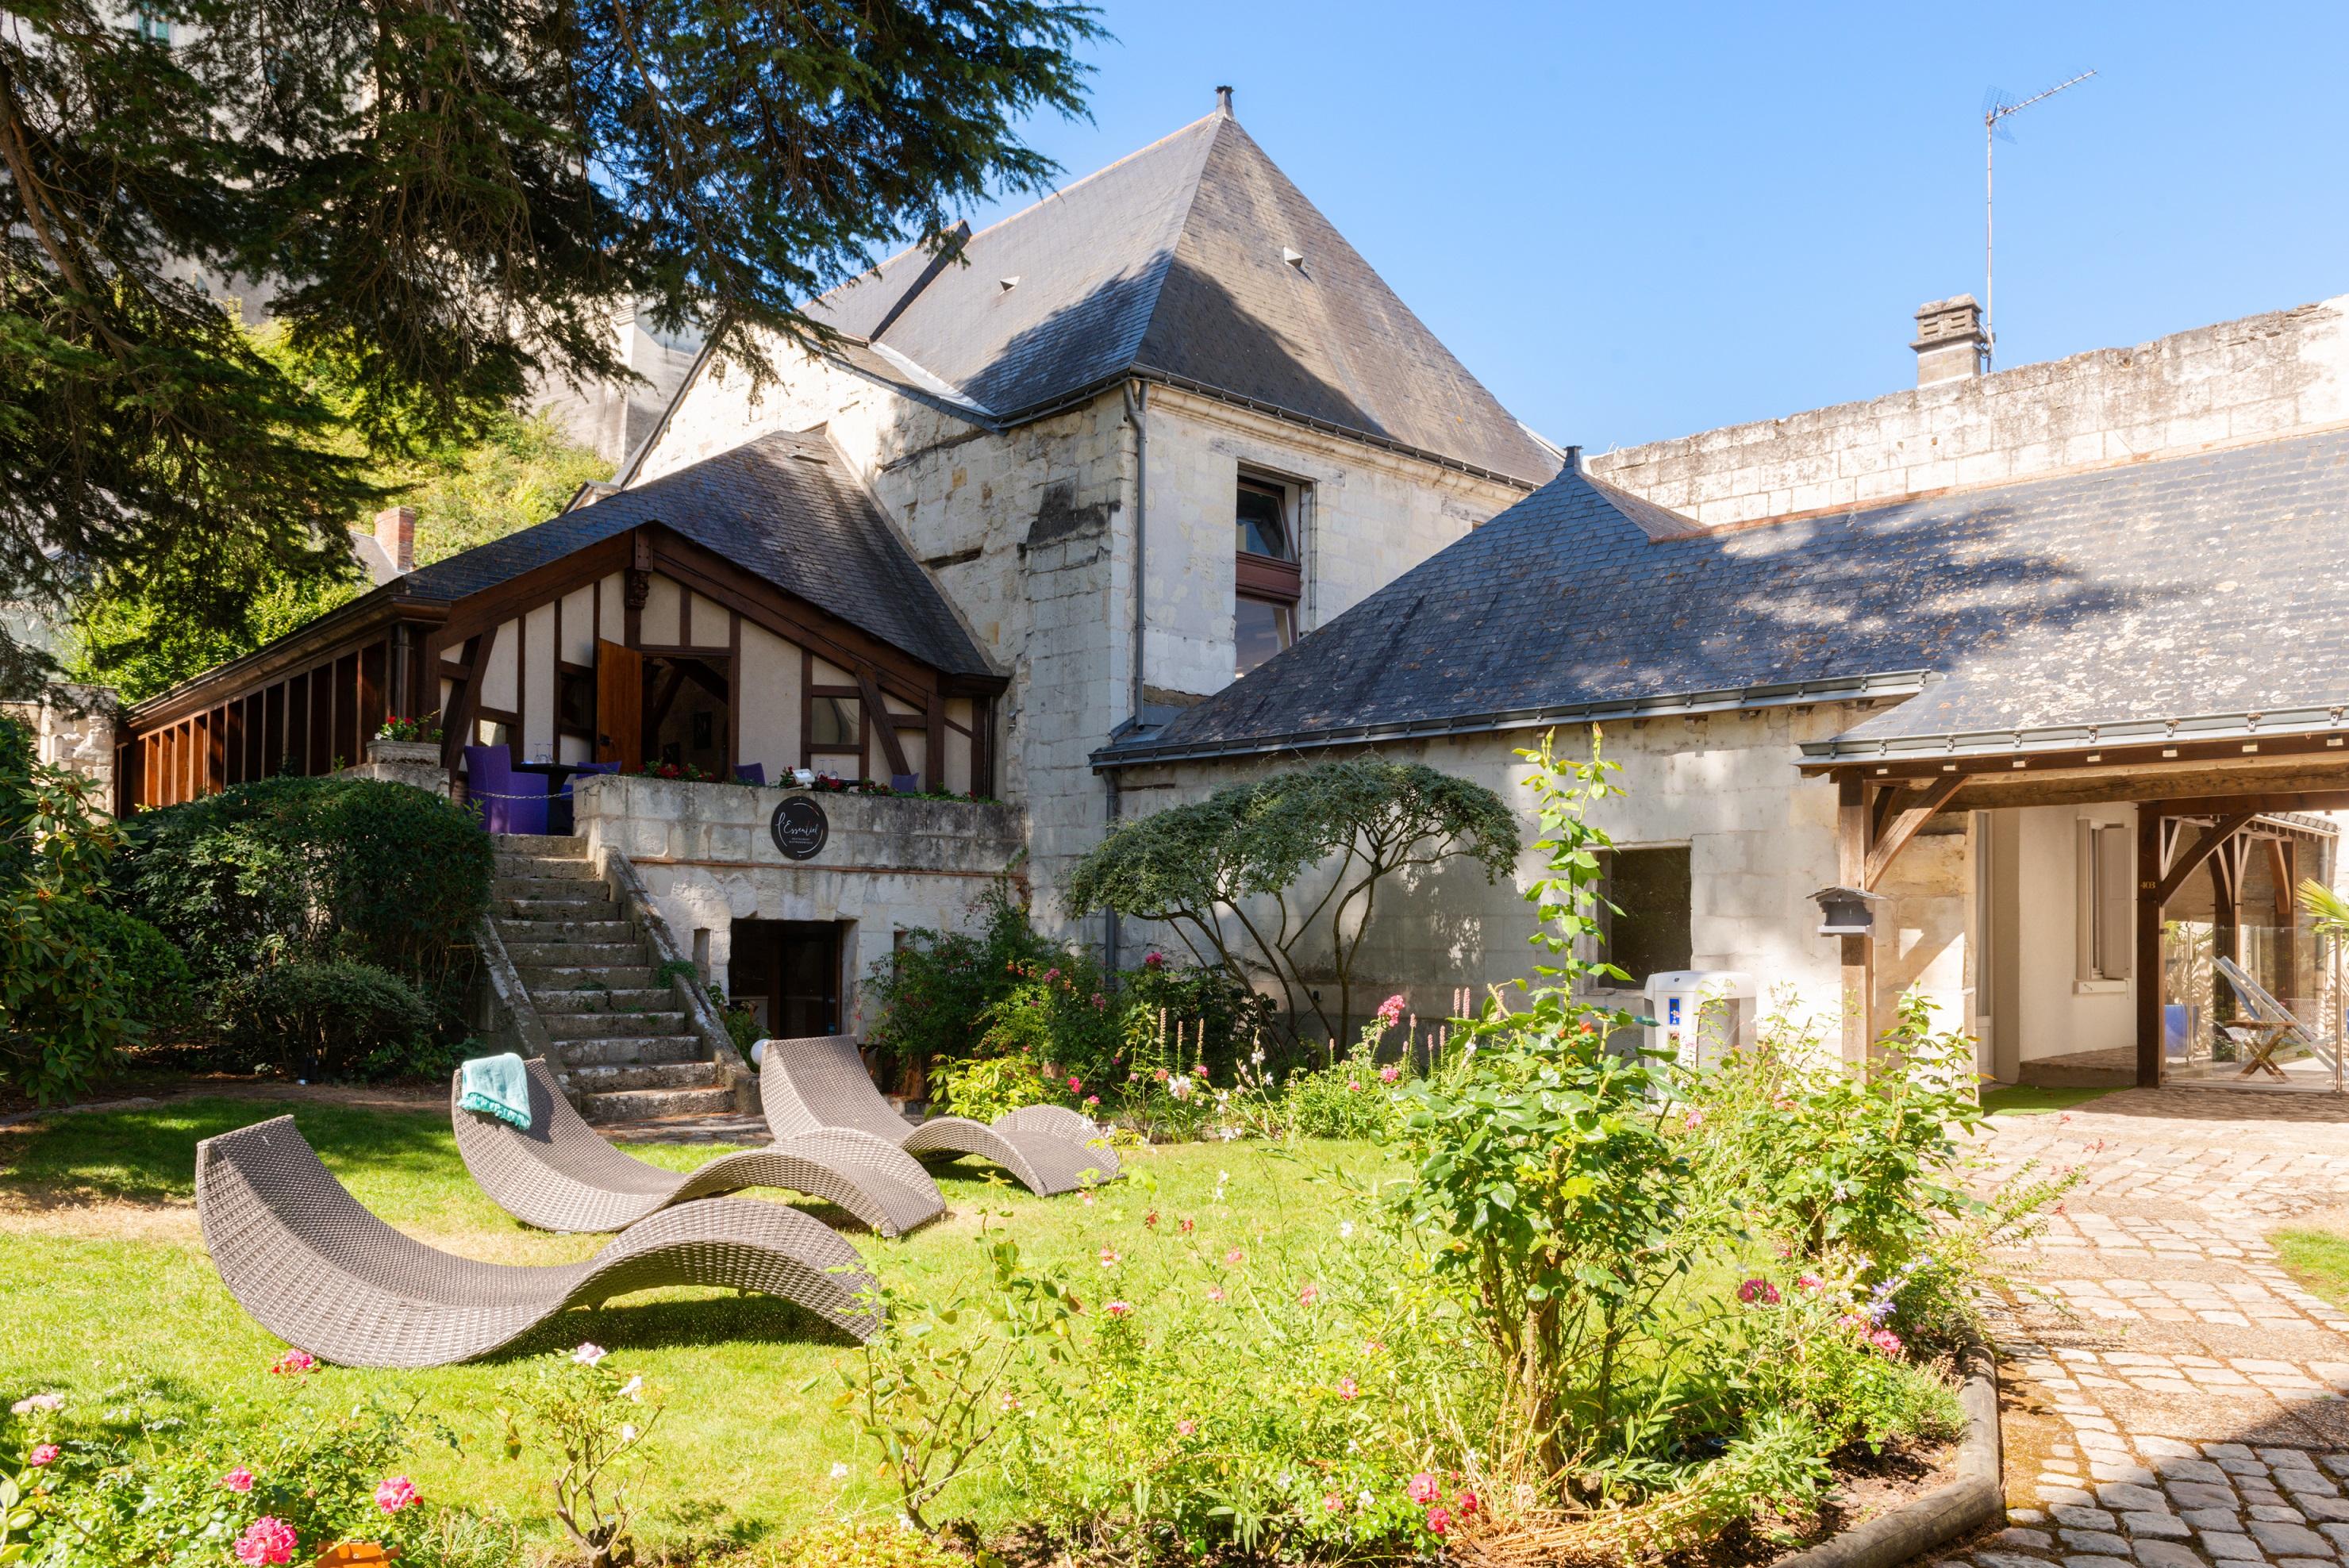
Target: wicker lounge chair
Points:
(318, 1271)
(561, 1175)
(819, 1082)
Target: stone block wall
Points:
(73, 728)
(2236, 382)
(887, 865)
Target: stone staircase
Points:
(616, 1037)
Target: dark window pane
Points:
(1263, 523)
(1650, 887)
(1261, 629)
(832, 724)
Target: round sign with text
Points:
(800, 828)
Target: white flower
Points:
(1365, 1503)
(1257, 1057)
(839, 1470)
(588, 1354)
(33, 1402)
(632, 1388)
(1345, 1230)
(627, 1434)
(903, 1522)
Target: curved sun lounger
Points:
(322, 1273)
(561, 1175)
(819, 1082)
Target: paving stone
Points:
(2198, 1494)
(2305, 1482)
(2167, 1448)
(2305, 1562)
(2336, 1533)
(2278, 1513)
(2149, 1524)
(2231, 1548)
(2025, 1516)
(2242, 1467)
(2074, 1518)
(2093, 1439)
(2080, 1541)
(2228, 1452)
(2333, 1508)
(2124, 1474)
(2029, 1539)
(2287, 1458)
(2140, 1498)
(2096, 1560)
(2166, 1554)
(2189, 1470)
(2337, 1463)
(2297, 1540)
(2072, 1496)
(2008, 1560)
(2224, 1519)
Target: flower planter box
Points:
(426, 752)
(359, 1554)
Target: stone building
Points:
(2044, 659)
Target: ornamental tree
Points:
(1225, 872)
(446, 199)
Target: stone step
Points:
(540, 846)
(600, 955)
(626, 1049)
(547, 927)
(598, 1001)
(651, 1104)
(563, 1026)
(574, 907)
(523, 884)
(543, 980)
(610, 1078)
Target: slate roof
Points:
(2212, 584)
(784, 508)
(1170, 261)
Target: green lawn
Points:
(104, 1283)
(2024, 1099)
(2318, 1260)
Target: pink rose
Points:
(1422, 1488)
(43, 1454)
(1810, 1282)
(1109, 1258)
(1347, 1388)
(239, 1480)
(294, 1363)
(1154, 961)
(1467, 1502)
(1760, 1290)
(1117, 1308)
(1308, 1295)
(1333, 1503)
(1092, 1100)
(1215, 1292)
(1185, 1427)
(1160, 1074)
(395, 1493)
(1353, 1086)
(1388, 1075)
(1233, 1257)
(1200, 1069)
(1439, 1519)
(1884, 1339)
(266, 1540)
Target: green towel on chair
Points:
(498, 1086)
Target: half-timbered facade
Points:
(751, 611)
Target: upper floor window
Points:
(1265, 578)
(152, 27)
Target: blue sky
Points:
(1635, 222)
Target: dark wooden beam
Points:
(1893, 836)
(879, 716)
(2191, 861)
(2149, 877)
(459, 719)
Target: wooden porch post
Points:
(2149, 874)
(1858, 952)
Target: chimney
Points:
(1224, 101)
(395, 532)
(1950, 340)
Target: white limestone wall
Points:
(1761, 839)
(1367, 517)
(2059, 1013)
(887, 865)
(73, 730)
(2236, 382)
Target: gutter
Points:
(1727, 699)
(2025, 738)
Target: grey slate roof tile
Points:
(2210, 584)
(782, 507)
(1170, 260)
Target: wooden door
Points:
(619, 706)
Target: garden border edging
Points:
(1977, 1498)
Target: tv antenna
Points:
(1996, 107)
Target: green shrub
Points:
(933, 989)
(985, 1088)
(355, 869)
(328, 1020)
(66, 1007)
(158, 992)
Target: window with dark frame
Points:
(1265, 578)
(1647, 932)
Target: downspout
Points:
(1137, 405)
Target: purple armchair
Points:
(511, 803)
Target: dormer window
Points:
(1265, 578)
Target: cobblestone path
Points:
(2174, 1400)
